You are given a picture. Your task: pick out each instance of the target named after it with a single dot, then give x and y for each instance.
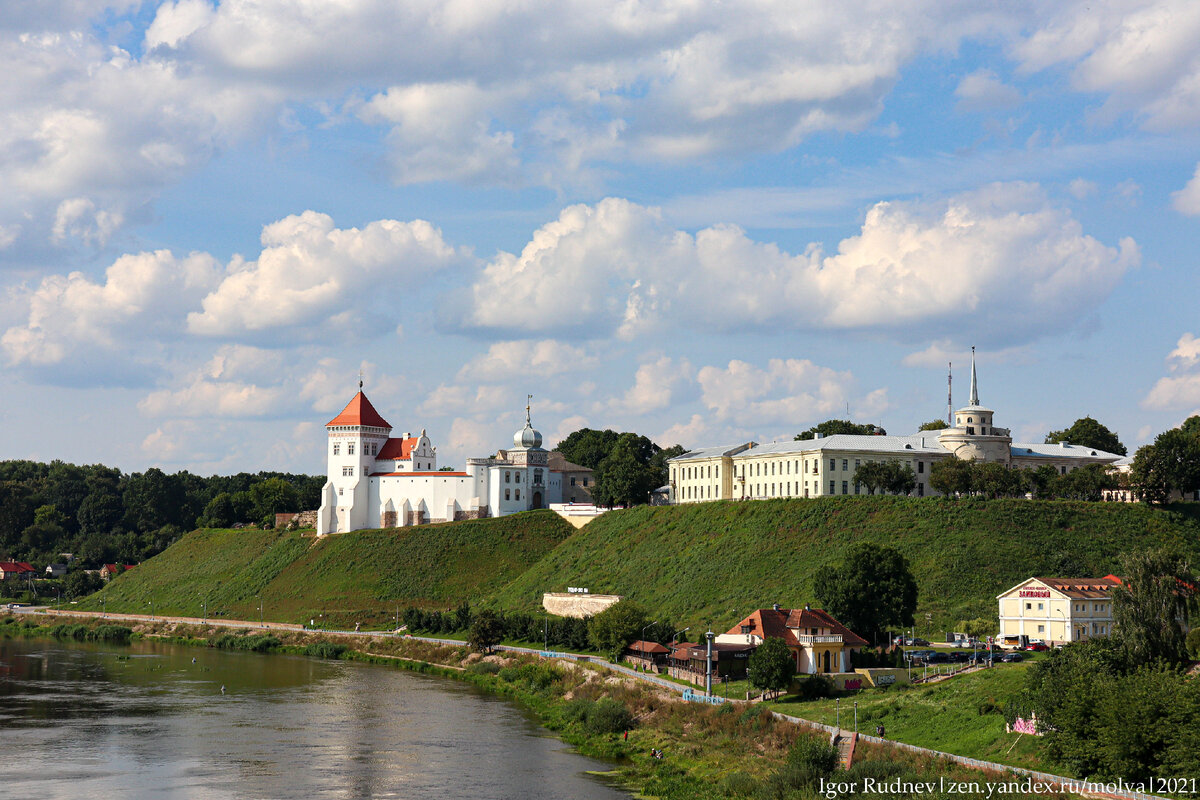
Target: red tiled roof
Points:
(16, 566)
(767, 622)
(648, 647)
(1083, 588)
(819, 618)
(398, 449)
(359, 411)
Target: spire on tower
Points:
(360, 379)
(950, 393)
(528, 401)
(974, 384)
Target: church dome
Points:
(527, 437)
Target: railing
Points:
(827, 638)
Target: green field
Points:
(716, 561)
(962, 715)
(709, 562)
(339, 580)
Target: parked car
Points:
(936, 658)
(1036, 647)
(958, 657)
(1010, 658)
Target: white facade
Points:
(376, 481)
(825, 466)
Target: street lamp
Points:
(644, 627)
(1066, 627)
(204, 611)
(260, 613)
(151, 604)
(855, 717)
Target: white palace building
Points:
(826, 465)
(377, 481)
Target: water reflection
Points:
(147, 721)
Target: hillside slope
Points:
(716, 561)
(357, 577)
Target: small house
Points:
(819, 642)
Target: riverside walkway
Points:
(1012, 774)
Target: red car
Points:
(1037, 647)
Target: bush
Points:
(739, 784)
(325, 650)
(484, 668)
(608, 716)
(1193, 642)
(256, 644)
(814, 687)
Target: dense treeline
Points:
(102, 515)
(628, 466)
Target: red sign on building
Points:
(1034, 593)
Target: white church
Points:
(378, 481)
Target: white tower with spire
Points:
(974, 436)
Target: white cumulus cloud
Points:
(1187, 199)
(1180, 390)
(1000, 261)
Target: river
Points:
(150, 721)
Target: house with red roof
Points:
(376, 480)
(819, 642)
(15, 569)
(109, 571)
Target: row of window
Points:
(369, 448)
(506, 495)
(702, 471)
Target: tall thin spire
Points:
(974, 384)
(360, 378)
(528, 402)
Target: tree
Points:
(978, 628)
(872, 590)
(1085, 483)
(616, 627)
(934, 425)
(625, 476)
(996, 480)
(832, 427)
(772, 665)
(273, 496)
(901, 478)
(872, 475)
(218, 513)
(487, 629)
(1171, 464)
(1157, 592)
(1087, 432)
(81, 582)
(951, 476)
(587, 447)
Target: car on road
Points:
(1010, 658)
(1036, 647)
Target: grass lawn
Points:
(963, 715)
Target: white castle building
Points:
(826, 465)
(377, 481)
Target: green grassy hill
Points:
(359, 577)
(716, 561)
(692, 564)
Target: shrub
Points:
(257, 644)
(484, 668)
(325, 650)
(739, 784)
(608, 716)
(814, 686)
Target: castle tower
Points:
(355, 437)
(527, 452)
(974, 436)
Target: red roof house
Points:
(819, 642)
(15, 569)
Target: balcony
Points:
(827, 638)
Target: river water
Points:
(148, 721)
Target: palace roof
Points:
(398, 449)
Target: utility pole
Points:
(708, 636)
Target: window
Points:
(339, 490)
(337, 447)
(1064, 470)
(507, 476)
(1041, 607)
(572, 481)
(517, 495)
(1028, 606)
(920, 490)
(585, 481)
(920, 467)
(347, 471)
(537, 476)
(1041, 628)
(350, 449)
(507, 494)
(970, 431)
(856, 488)
(845, 487)
(832, 490)
(832, 464)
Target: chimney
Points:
(807, 607)
(816, 434)
(775, 606)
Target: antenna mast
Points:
(950, 393)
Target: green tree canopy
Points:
(772, 665)
(1171, 464)
(951, 476)
(871, 591)
(889, 476)
(934, 425)
(487, 629)
(1158, 592)
(831, 427)
(587, 447)
(616, 627)
(1087, 432)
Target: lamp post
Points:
(260, 611)
(708, 636)
(644, 627)
(837, 719)
(204, 611)
(1066, 626)
(151, 604)
(102, 612)
(856, 717)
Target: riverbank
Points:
(732, 750)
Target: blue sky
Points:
(704, 222)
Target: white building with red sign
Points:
(1057, 610)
